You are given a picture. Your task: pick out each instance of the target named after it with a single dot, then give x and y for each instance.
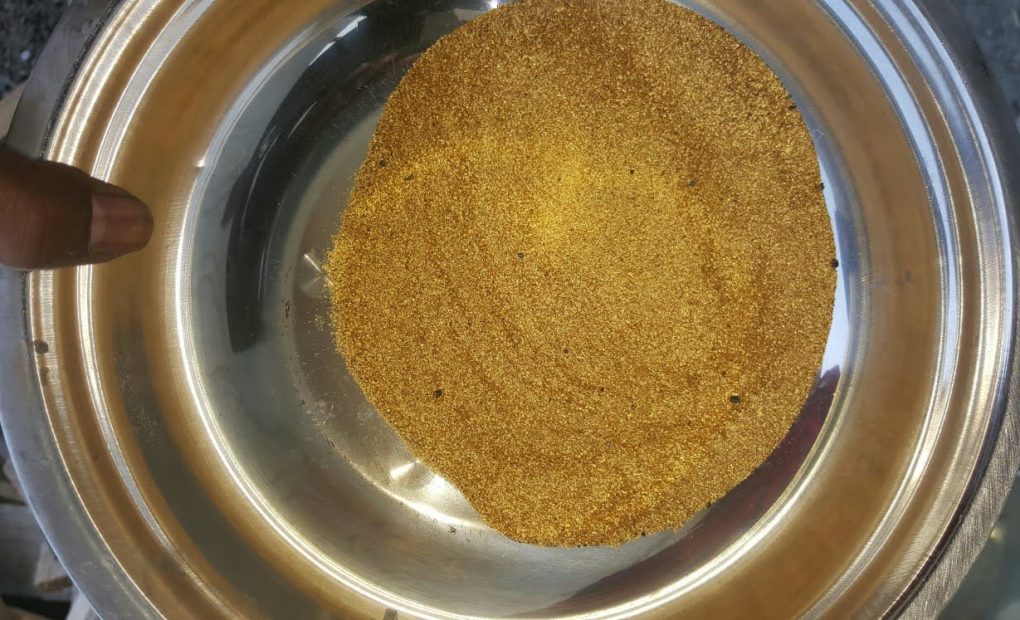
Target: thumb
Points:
(52, 215)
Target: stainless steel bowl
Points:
(194, 446)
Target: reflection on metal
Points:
(349, 28)
(311, 277)
(400, 471)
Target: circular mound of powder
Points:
(586, 269)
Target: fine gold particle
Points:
(586, 268)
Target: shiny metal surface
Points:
(195, 447)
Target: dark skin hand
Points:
(52, 215)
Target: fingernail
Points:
(120, 224)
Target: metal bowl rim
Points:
(114, 593)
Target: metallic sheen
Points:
(192, 450)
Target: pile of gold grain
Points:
(585, 270)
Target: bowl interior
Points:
(299, 431)
(211, 363)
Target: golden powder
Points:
(585, 271)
